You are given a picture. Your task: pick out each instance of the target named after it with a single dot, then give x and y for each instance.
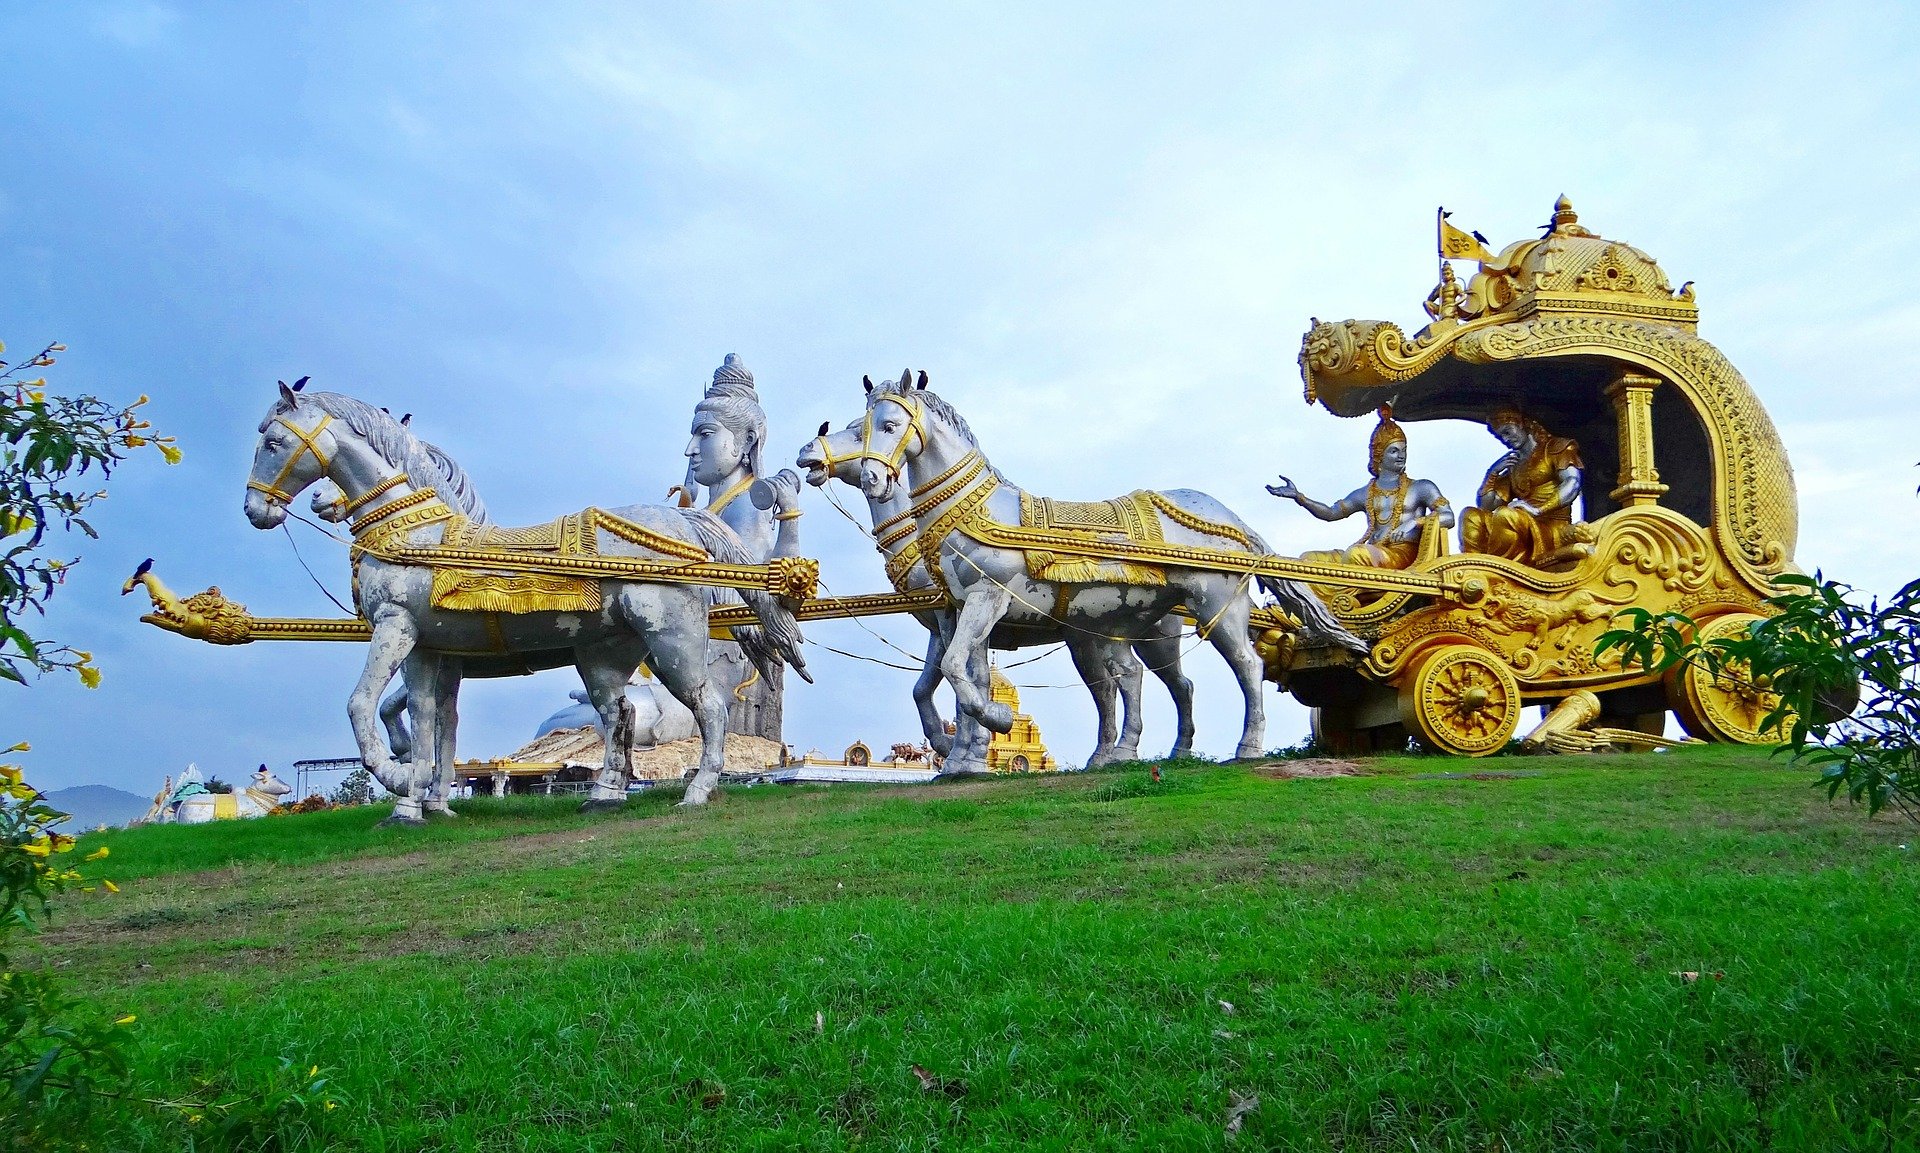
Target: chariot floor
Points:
(1439, 954)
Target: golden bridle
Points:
(309, 443)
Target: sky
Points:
(1101, 229)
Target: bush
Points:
(1847, 673)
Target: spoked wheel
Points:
(1461, 700)
(1726, 706)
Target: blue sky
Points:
(1100, 228)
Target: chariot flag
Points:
(1458, 245)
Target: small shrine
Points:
(1019, 749)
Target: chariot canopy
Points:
(1586, 335)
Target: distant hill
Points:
(93, 805)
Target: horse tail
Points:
(778, 637)
(1318, 625)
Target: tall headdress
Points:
(1385, 433)
(734, 402)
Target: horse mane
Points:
(426, 465)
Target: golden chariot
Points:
(1688, 500)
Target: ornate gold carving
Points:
(1461, 700)
(209, 616)
(1632, 396)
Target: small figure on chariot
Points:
(1525, 506)
(1397, 506)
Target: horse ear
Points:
(906, 379)
(923, 379)
(286, 396)
(823, 427)
(868, 381)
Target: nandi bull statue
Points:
(432, 586)
(1111, 568)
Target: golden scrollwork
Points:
(209, 616)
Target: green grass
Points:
(1412, 964)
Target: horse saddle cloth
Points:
(478, 590)
(1125, 519)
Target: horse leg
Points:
(1162, 655)
(965, 663)
(446, 724)
(1090, 661)
(605, 674)
(421, 671)
(393, 639)
(932, 725)
(677, 654)
(393, 714)
(1223, 609)
(1125, 669)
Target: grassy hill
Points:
(1422, 958)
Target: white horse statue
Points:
(1109, 668)
(1102, 569)
(407, 574)
(256, 800)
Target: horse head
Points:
(329, 503)
(297, 446)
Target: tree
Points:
(56, 454)
(355, 789)
(1846, 671)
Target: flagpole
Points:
(1439, 238)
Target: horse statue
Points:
(1108, 667)
(438, 590)
(1103, 569)
(200, 806)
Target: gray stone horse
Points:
(378, 464)
(1109, 668)
(911, 436)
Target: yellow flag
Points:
(1458, 245)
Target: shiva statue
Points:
(1396, 504)
(724, 459)
(1525, 508)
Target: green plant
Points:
(1824, 650)
(355, 789)
(49, 445)
(57, 1058)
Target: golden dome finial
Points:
(1563, 214)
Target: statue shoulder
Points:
(1563, 453)
(1426, 492)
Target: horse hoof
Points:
(399, 822)
(603, 805)
(998, 716)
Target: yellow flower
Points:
(22, 747)
(127, 1020)
(99, 854)
(314, 1072)
(171, 453)
(38, 848)
(89, 676)
(61, 842)
(110, 886)
(332, 1105)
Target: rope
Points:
(316, 580)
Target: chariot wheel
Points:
(1461, 700)
(1728, 707)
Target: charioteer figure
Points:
(1525, 508)
(1396, 505)
(724, 458)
